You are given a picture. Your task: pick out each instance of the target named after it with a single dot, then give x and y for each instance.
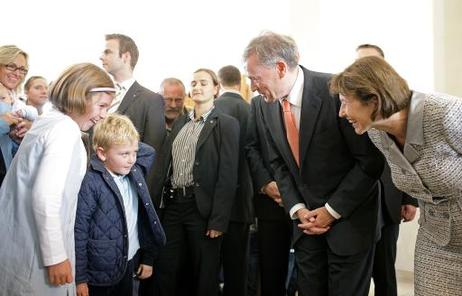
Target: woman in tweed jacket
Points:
(420, 135)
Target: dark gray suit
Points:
(235, 241)
(146, 110)
(336, 166)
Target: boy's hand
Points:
(82, 289)
(144, 271)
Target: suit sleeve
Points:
(260, 173)
(145, 157)
(225, 187)
(154, 125)
(356, 186)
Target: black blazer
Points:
(234, 105)
(146, 110)
(336, 166)
(258, 157)
(215, 168)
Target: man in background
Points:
(395, 206)
(174, 93)
(235, 251)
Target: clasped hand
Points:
(315, 222)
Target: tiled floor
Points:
(405, 283)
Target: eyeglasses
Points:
(12, 67)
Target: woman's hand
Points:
(60, 274)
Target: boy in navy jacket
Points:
(117, 231)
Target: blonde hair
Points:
(115, 129)
(71, 92)
(7, 55)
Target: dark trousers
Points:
(125, 287)
(383, 272)
(322, 273)
(274, 245)
(235, 256)
(186, 234)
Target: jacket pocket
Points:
(102, 255)
(436, 223)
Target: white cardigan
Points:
(38, 202)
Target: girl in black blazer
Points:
(196, 181)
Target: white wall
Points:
(176, 37)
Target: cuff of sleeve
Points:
(332, 211)
(294, 210)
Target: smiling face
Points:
(264, 79)
(11, 79)
(96, 110)
(119, 158)
(357, 113)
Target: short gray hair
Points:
(270, 47)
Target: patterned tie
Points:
(117, 100)
(291, 130)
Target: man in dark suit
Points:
(235, 251)
(274, 225)
(327, 175)
(396, 206)
(144, 107)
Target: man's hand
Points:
(144, 271)
(408, 212)
(60, 274)
(82, 289)
(213, 233)
(309, 223)
(271, 189)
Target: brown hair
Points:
(71, 91)
(31, 79)
(229, 76)
(376, 47)
(126, 44)
(371, 78)
(213, 76)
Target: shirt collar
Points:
(126, 84)
(295, 94)
(414, 130)
(226, 90)
(204, 116)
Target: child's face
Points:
(119, 158)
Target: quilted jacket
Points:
(101, 236)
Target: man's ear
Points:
(126, 57)
(101, 153)
(281, 67)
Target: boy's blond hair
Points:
(115, 129)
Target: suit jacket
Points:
(146, 110)
(429, 167)
(258, 157)
(215, 168)
(336, 166)
(234, 105)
